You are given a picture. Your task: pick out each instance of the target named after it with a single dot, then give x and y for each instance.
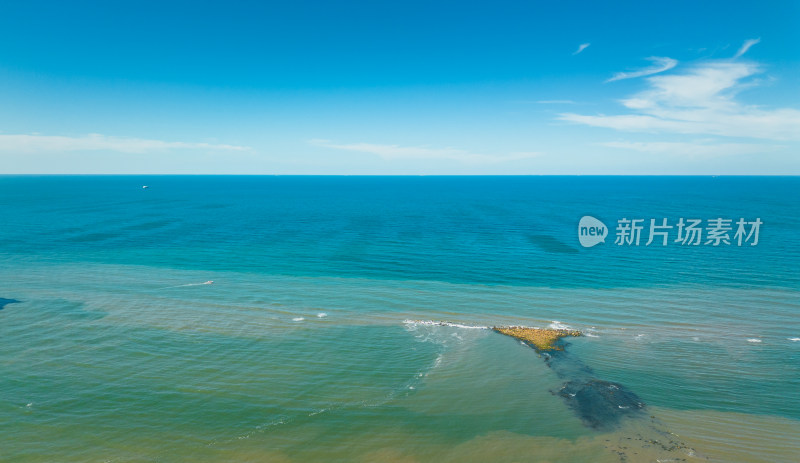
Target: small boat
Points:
(144, 187)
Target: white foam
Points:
(436, 364)
(298, 319)
(209, 282)
(435, 323)
(557, 325)
(258, 429)
(322, 315)
(793, 339)
(753, 340)
(590, 332)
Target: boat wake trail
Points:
(209, 282)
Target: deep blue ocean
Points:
(293, 318)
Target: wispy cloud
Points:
(556, 102)
(97, 142)
(702, 100)
(746, 46)
(581, 47)
(660, 64)
(396, 152)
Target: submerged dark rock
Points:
(552, 244)
(566, 365)
(4, 302)
(603, 405)
(600, 404)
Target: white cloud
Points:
(96, 142)
(660, 64)
(703, 101)
(581, 47)
(746, 46)
(396, 152)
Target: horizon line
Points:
(380, 175)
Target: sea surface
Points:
(303, 319)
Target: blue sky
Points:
(559, 87)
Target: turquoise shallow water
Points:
(308, 345)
